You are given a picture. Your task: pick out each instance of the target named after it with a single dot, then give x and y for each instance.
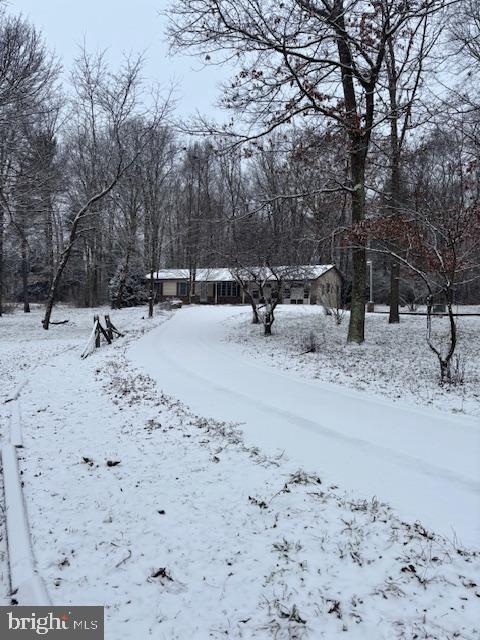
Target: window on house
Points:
(306, 291)
(328, 287)
(287, 292)
(228, 289)
(255, 293)
(182, 288)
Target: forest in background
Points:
(366, 144)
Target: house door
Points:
(203, 292)
(296, 294)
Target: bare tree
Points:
(464, 28)
(304, 58)
(406, 64)
(199, 210)
(105, 104)
(157, 167)
(128, 205)
(263, 286)
(28, 74)
(439, 231)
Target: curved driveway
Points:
(424, 463)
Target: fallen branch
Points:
(127, 557)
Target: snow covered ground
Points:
(394, 362)
(24, 344)
(182, 526)
(25, 347)
(423, 461)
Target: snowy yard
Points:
(25, 348)
(24, 344)
(180, 524)
(394, 361)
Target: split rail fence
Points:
(108, 332)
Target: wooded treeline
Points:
(366, 144)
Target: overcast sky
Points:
(124, 26)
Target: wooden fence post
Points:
(108, 325)
(96, 322)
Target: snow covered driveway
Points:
(424, 463)
(183, 531)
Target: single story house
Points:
(305, 284)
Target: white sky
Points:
(125, 26)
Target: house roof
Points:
(201, 275)
(225, 274)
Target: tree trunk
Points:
(394, 207)
(359, 134)
(453, 338)
(356, 328)
(25, 272)
(54, 286)
(151, 295)
(192, 275)
(395, 197)
(267, 324)
(48, 230)
(394, 314)
(132, 230)
(269, 318)
(255, 316)
(118, 302)
(444, 361)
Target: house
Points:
(305, 284)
